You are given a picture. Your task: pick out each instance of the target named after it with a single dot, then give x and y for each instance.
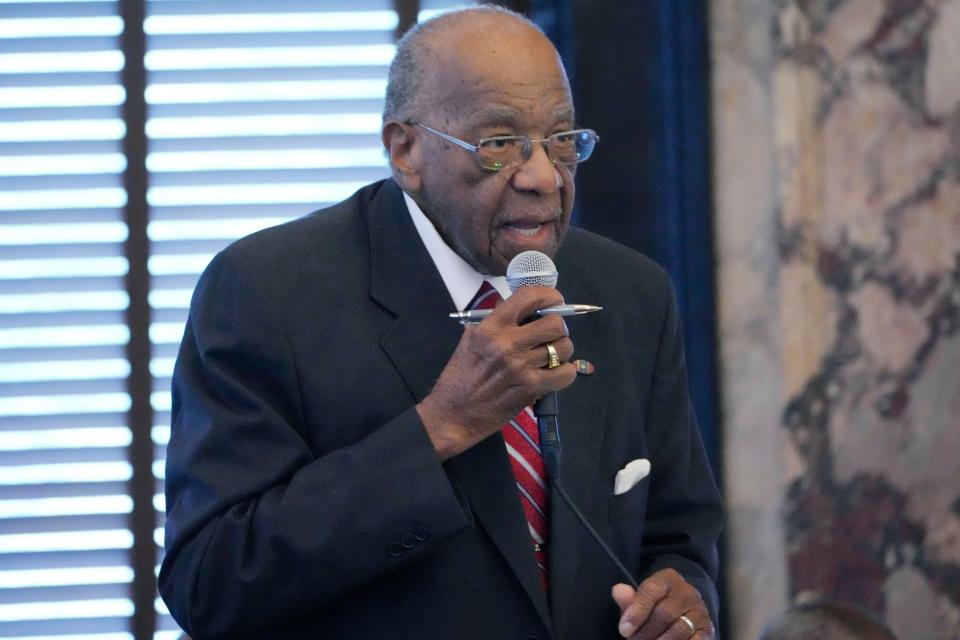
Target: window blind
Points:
(64, 538)
(258, 113)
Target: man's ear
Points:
(404, 154)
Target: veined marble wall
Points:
(837, 181)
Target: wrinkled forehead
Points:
(494, 63)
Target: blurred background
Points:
(794, 164)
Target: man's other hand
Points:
(653, 611)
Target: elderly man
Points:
(346, 461)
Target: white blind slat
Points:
(64, 542)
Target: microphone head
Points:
(531, 268)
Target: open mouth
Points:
(527, 231)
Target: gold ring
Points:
(553, 360)
(689, 622)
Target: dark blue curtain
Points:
(640, 76)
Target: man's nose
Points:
(538, 173)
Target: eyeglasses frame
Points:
(476, 148)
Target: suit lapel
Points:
(581, 419)
(405, 281)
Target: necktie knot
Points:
(487, 297)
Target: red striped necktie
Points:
(522, 439)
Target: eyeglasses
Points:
(503, 152)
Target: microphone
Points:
(532, 268)
(528, 269)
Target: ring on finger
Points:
(553, 358)
(689, 623)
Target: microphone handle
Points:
(546, 410)
(546, 405)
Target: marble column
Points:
(746, 232)
(837, 190)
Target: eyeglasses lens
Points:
(501, 152)
(563, 148)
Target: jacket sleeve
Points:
(261, 529)
(684, 514)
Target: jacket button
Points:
(396, 549)
(408, 541)
(421, 532)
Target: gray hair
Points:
(404, 80)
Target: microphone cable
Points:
(551, 449)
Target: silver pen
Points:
(476, 315)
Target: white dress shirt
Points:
(462, 280)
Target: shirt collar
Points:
(462, 280)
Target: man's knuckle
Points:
(672, 574)
(517, 370)
(653, 590)
(480, 336)
(564, 376)
(671, 611)
(556, 325)
(530, 378)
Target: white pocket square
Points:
(634, 472)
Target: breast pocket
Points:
(630, 504)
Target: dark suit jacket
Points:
(304, 499)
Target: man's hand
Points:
(653, 611)
(498, 368)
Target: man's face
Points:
(498, 80)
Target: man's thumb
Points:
(623, 595)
